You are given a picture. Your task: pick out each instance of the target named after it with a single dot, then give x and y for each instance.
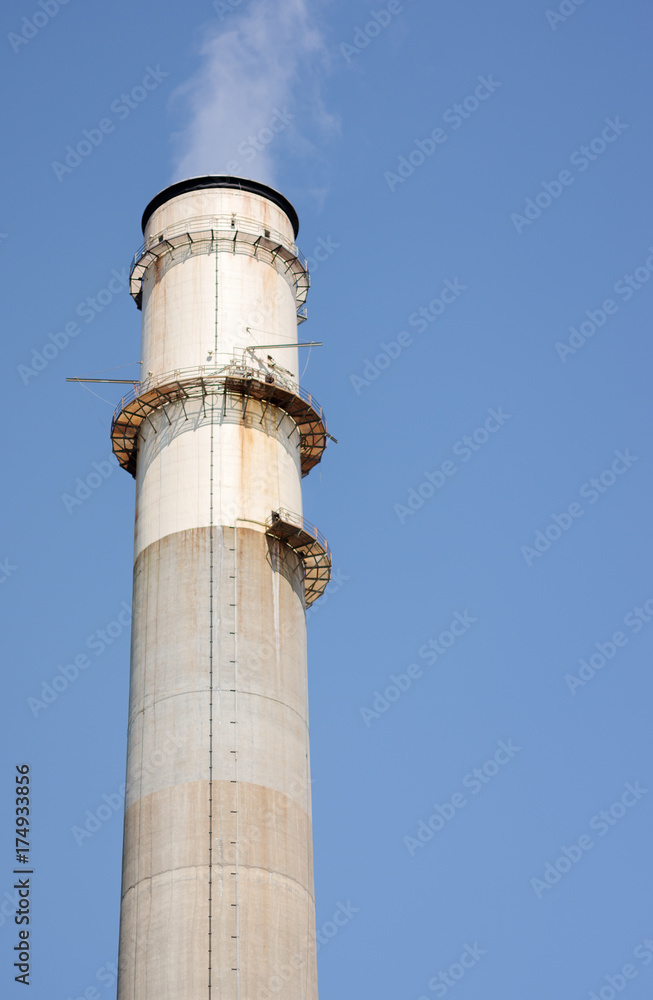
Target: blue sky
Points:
(488, 502)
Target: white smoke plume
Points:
(257, 91)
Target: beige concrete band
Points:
(218, 800)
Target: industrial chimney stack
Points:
(217, 888)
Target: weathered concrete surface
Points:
(217, 890)
(254, 464)
(189, 766)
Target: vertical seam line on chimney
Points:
(211, 585)
(236, 754)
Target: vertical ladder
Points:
(229, 718)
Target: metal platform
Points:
(235, 235)
(272, 388)
(305, 539)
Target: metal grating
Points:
(237, 379)
(309, 543)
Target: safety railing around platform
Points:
(310, 545)
(208, 372)
(263, 384)
(226, 232)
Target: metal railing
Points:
(218, 373)
(222, 224)
(282, 514)
(244, 236)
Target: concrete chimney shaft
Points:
(217, 889)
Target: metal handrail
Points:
(220, 372)
(298, 521)
(220, 223)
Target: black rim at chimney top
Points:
(221, 181)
